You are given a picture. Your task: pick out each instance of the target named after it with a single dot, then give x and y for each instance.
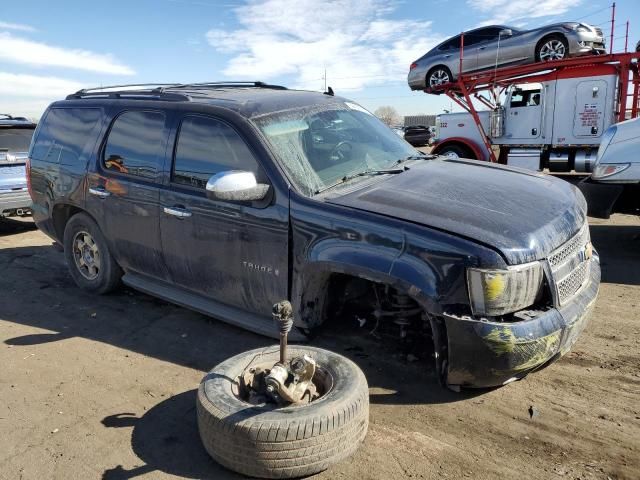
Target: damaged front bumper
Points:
(488, 354)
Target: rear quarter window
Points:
(64, 135)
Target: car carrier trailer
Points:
(549, 115)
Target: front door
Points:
(233, 253)
(524, 114)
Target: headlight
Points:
(497, 292)
(582, 28)
(608, 169)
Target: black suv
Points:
(15, 137)
(226, 198)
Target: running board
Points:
(232, 315)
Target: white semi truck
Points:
(556, 121)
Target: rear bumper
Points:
(12, 200)
(488, 354)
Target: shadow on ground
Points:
(13, 226)
(619, 247)
(166, 439)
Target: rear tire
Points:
(553, 47)
(90, 262)
(288, 442)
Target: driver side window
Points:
(205, 147)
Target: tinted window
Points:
(15, 139)
(472, 39)
(451, 44)
(487, 34)
(207, 146)
(64, 134)
(136, 144)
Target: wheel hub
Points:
(298, 381)
(86, 255)
(552, 50)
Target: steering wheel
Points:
(341, 152)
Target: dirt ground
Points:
(104, 387)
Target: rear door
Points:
(234, 253)
(124, 191)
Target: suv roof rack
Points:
(162, 91)
(133, 90)
(207, 85)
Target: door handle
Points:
(447, 56)
(177, 212)
(99, 192)
(481, 48)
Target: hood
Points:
(522, 214)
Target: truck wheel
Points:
(90, 262)
(267, 441)
(553, 47)
(438, 76)
(455, 151)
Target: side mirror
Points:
(236, 186)
(507, 32)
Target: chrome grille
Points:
(569, 266)
(570, 285)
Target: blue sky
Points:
(51, 48)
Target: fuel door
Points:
(591, 99)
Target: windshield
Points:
(320, 145)
(15, 139)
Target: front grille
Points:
(570, 265)
(570, 285)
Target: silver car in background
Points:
(618, 158)
(15, 137)
(486, 46)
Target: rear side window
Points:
(136, 144)
(64, 134)
(451, 44)
(15, 139)
(207, 146)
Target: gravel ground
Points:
(104, 387)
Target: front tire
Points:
(270, 442)
(90, 262)
(553, 47)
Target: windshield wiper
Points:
(364, 173)
(424, 156)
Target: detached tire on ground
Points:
(267, 441)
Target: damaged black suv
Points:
(226, 198)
